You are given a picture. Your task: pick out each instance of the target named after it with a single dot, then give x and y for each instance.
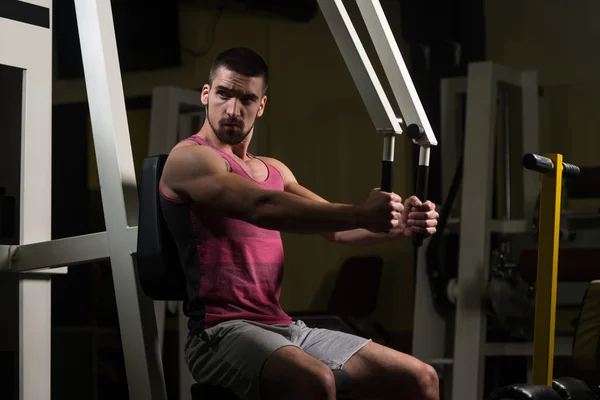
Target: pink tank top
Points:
(234, 269)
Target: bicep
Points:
(201, 176)
(186, 166)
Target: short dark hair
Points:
(243, 61)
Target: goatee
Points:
(233, 134)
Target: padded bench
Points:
(160, 272)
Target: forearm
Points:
(235, 197)
(358, 237)
(291, 213)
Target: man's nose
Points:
(233, 107)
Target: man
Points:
(225, 209)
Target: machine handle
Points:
(570, 170)
(416, 133)
(422, 183)
(387, 175)
(537, 163)
(542, 164)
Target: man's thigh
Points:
(383, 372)
(292, 374)
(232, 354)
(333, 348)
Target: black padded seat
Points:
(159, 268)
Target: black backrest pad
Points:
(159, 267)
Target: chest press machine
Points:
(26, 165)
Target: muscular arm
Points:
(198, 174)
(356, 236)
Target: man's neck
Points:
(240, 150)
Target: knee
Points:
(427, 382)
(292, 374)
(318, 382)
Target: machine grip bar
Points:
(387, 174)
(537, 163)
(416, 133)
(422, 183)
(542, 164)
(570, 170)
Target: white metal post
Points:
(26, 43)
(164, 116)
(429, 327)
(119, 196)
(470, 345)
(469, 338)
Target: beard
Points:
(229, 130)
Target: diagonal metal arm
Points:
(360, 67)
(396, 71)
(116, 171)
(418, 127)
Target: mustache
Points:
(231, 121)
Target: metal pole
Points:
(110, 130)
(551, 167)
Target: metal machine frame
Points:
(36, 250)
(476, 204)
(385, 121)
(458, 345)
(33, 53)
(28, 295)
(432, 334)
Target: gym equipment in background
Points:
(552, 170)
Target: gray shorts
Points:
(232, 354)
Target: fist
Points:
(418, 217)
(382, 211)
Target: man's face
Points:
(233, 104)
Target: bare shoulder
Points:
(285, 172)
(186, 158)
(187, 162)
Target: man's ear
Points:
(261, 108)
(204, 94)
